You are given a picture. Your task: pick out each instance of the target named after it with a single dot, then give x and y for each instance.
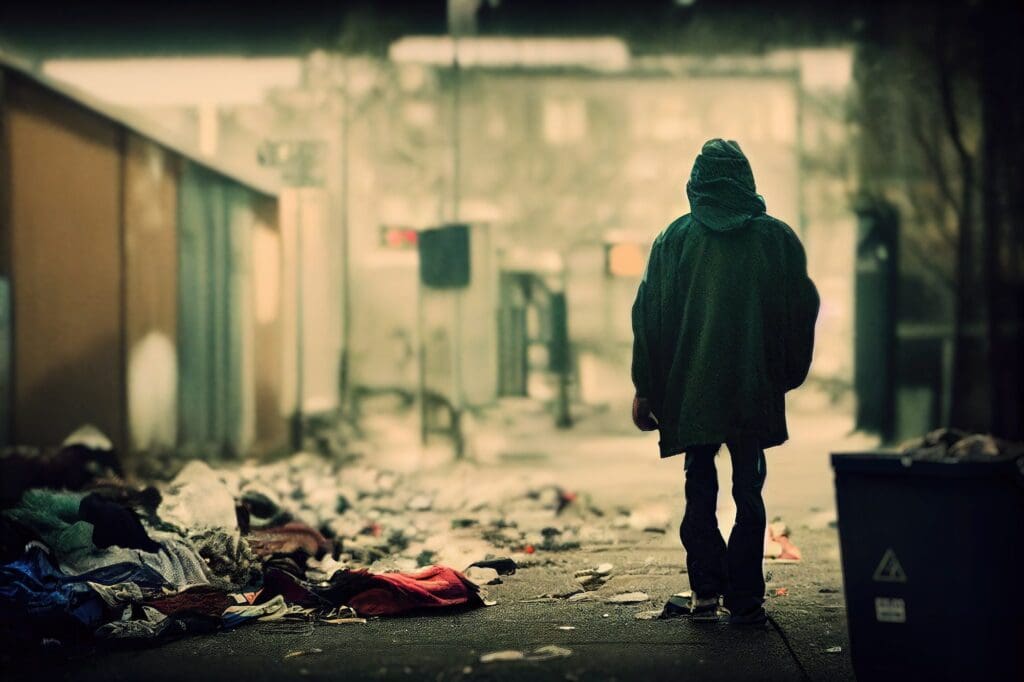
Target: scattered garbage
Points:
(582, 596)
(501, 565)
(651, 518)
(544, 653)
(305, 539)
(628, 598)
(777, 546)
(549, 652)
(648, 615)
(834, 650)
(594, 578)
(303, 652)
(497, 656)
(89, 558)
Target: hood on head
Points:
(721, 187)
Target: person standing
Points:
(723, 327)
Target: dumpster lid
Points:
(890, 463)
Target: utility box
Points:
(445, 257)
(932, 558)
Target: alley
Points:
(395, 340)
(625, 512)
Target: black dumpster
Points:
(932, 566)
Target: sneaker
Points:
(703, 609)
(685, 605)
(754, 616)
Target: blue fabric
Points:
(33, 587)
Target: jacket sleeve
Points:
(646, 323)
(802, 304)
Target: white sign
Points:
(890, 610)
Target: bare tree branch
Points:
(934, 159)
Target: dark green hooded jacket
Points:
(723, 322)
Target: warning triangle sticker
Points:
(889, 569)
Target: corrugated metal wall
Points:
(211, 263)
(151, 286)
(64, 218)
(133, 303)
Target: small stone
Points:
(834, 650)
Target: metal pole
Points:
(457, 294)
(421, 359)
(297, 419)
(346, 280)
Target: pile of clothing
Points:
(86, 557)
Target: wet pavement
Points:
(613, 470)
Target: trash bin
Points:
(932, 566)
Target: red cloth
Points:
(389, 594)
(203, 599)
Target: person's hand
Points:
(642, 415)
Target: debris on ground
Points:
(544, 653)
(594, 578)
(548, 652)
(87, 556)
(651, 518)
(307, 539)
(648, 615)
(582, 596)
(507, 655)
(306, 652)
(834, 650)
(628, 598)
(777, 546)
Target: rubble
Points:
(628, 598)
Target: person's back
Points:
(723, 326)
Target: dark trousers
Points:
(732, 570)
